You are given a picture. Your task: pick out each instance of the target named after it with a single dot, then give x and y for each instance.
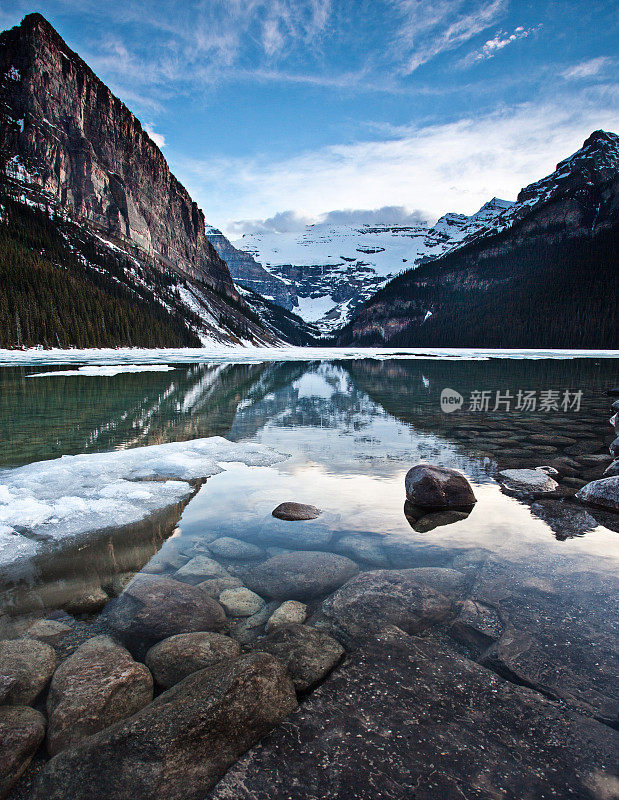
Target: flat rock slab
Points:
(309, 654)
(96, 686)
(235, 549)
(26, 667)
(299, 575)
(21, 732)
(153, 608)
(173, 659)
(405, 719)
(527, 480)
(179, 745)
(411, 599)
(295, 511)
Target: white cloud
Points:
(158, 138)
(587, 69)
(455, 166)
(291, 221)
(490, 48)
(431, 27)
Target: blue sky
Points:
(276, 112)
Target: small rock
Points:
(295, 511)
(21, 732)
(95, 687)
(241, 602)
(49, 631)
(26, 667)
(213, 587)
(309, 654)
(438, 487)
(548, 470)
(299, 575)
(603, 493)
(182, 743)
(614, 421)
(288, 613)
(173, 659)
(612, 469)
(199, 569)
(527, 480)
(235, 549)
(87, 603)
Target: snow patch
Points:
(105, 369)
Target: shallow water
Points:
(352, 429)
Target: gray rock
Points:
(362, 548)
(241, 602)
(614, 448)
(309, 654)
(182, 743)
(404, 718)
(477, 626)
(173, 659)
(612, 469)
(96, 686)
(213, 587)
(615, 405)
(199, 569)
(411, 599)
(247, 629)
(235, 549)
(288, 613)
(26, 666)
(295, 511)
(153, 608)
(438, 487)
(527, 480)
(603, 493)
(22, 730)
(299, 575)
(49, 631)
(89, 602)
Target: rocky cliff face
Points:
(542, 273)
(63, 131)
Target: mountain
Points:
(541, 273)
(88, 204)
(327, 271)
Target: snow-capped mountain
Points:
(325, 272)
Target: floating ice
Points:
(80, 494)
(105, 369)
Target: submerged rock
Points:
(49, 631)
(241, 602)
(96, 686)
(21, 732)
(199, 569)
(299, 575)
(477, 626)
(411, 599)
(438, 487)
(213, 587)
(296, 511)
(173, 659)
(404, 718)
(247, 629)
(153, 608)
(603, 493)
(179, 745)
(288, 613)
(26, 667)
(309, 654)
(235, 549)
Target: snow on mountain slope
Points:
(329, 270)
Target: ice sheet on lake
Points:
(104, 369)
(75, 495)
(222, 354)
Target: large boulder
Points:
(411, 599)
(428, 486)
(153, 608)
(299, 575)
(96, 686)
(173, 659)
(26, 666)
(181, 744)
(405, 718)
(21, 732)
(603, 493)
(295, 511)
(527, 481)
(309, 654)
